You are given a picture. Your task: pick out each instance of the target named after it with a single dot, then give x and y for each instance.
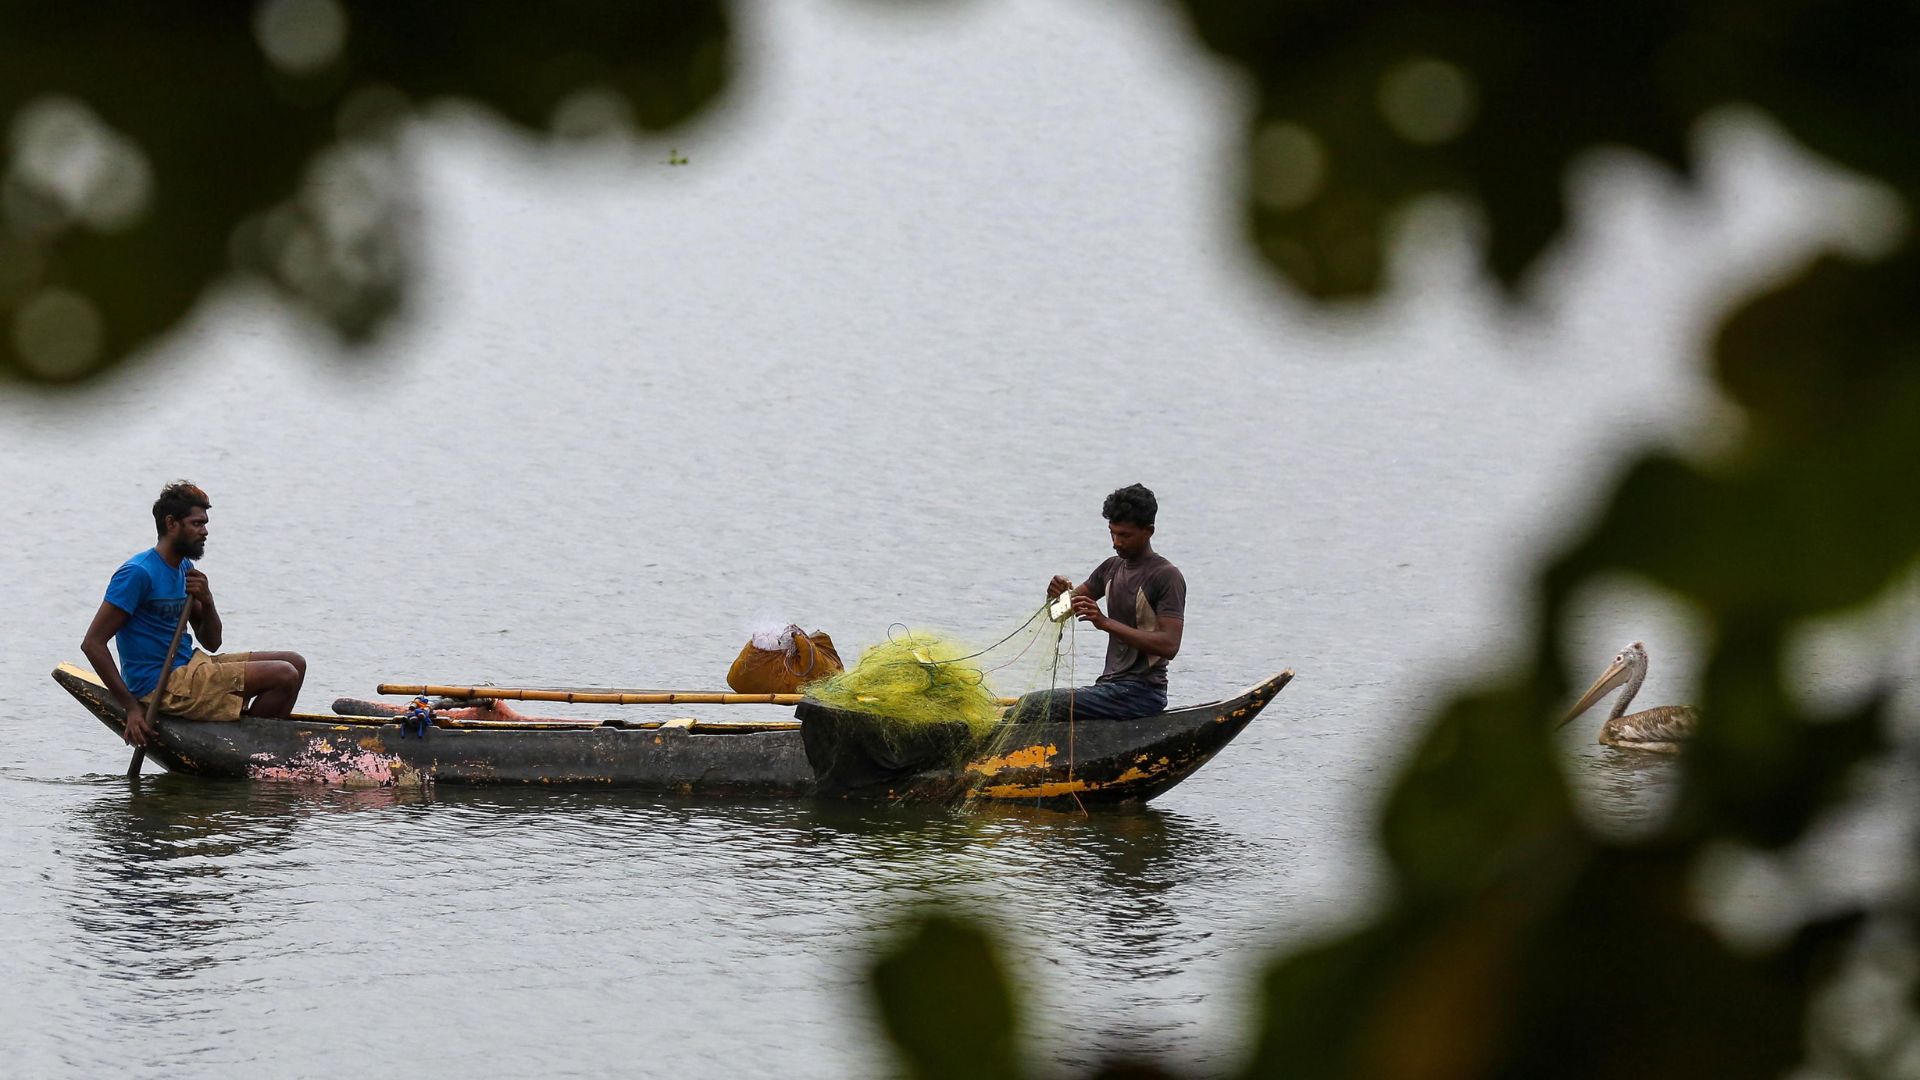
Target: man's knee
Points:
(299, 662)
(1038, 705)
(1022, 706)
(263, 675)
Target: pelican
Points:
(1663, 728)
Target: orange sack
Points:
(796, 659)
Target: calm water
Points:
(927, 290)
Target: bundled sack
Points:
(783, 661)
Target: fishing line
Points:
(1073, 655)
(956, 659)
(1023, 651)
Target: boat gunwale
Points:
(95, 694)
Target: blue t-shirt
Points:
(151, 593)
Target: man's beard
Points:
(193, 549)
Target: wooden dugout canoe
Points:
(1113, 762)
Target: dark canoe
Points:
(855, 756)
(680, 756)
(1112, 762)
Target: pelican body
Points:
(1662, 729)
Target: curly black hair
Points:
(176, 501)
(1131, 505)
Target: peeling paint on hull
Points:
(321, 763)
(1030, 757)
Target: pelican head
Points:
(1629, 663)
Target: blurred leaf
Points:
(182, 141)
(1762, 776)
(1824, 351)
(1539, 85)
(1842, 75)
(947, 1005)
(1780, 533)
(1481, 792)
(1543, 84)
(1600, 973)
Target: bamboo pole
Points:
(587, 696)
(590, 696)
(153, 700)
(698, 727)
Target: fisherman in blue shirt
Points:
(141, 609)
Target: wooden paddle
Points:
(590, 696)
(153, 700)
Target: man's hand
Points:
(1057, 586)
(204, 616)
(1087, 609)
(139, 729)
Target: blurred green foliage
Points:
(155, 149)
(945, 996)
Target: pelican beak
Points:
(1608, 681)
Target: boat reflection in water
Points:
(217, 903)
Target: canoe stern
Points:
(1094, 767)
(1063, 764)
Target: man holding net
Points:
(1146, 609)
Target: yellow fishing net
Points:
(915, 678)
(919, 677)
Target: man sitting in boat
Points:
(140, 613)
(1146, 608)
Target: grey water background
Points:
(931, 284)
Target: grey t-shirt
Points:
(1139, 594)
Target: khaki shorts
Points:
(207, 687)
